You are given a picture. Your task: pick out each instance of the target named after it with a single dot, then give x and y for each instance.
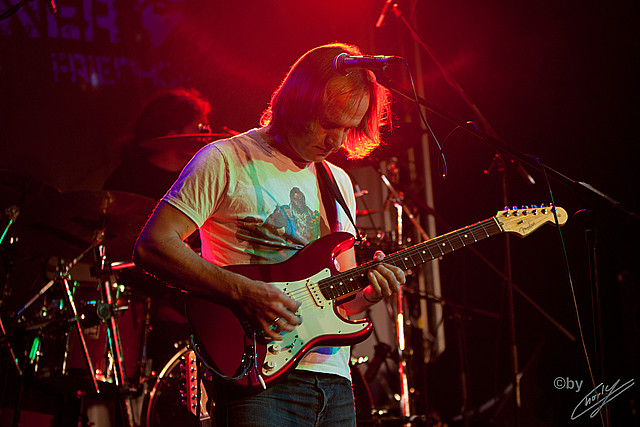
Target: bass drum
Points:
(166, 402)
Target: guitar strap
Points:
(330, 193)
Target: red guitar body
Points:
(227, 340)
(310, 277)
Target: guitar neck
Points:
(355, 279)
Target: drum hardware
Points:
(361, 392)
(4, 340)
(398, 201)
(183, 143)
(12, 212)
(63, 278)
(106, 311)
(55, 225)
(400, 400)
(165, 403)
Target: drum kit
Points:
(72, 316)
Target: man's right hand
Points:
(268, 307)
(160, 250)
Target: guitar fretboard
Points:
(355, 279)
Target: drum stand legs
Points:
(12, 212)
(64, 278)
(106, 312)
(78, 327)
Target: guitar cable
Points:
(246, 364)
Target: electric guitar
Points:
(239, 352)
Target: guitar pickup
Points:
(314, 289)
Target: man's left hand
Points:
(384, 280)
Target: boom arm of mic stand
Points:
(447, 77)
(579, 187)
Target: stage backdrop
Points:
(557, 80)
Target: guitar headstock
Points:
(528, 219)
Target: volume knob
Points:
(274, 348)
(269, 366)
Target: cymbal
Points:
(79, 217)
(23, 198)
(367, 211)
(187, 142)
(19, 190)
(400, 140)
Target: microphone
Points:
(383, 13)
(344, 63)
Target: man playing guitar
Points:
(257, 200)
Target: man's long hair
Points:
(299, 103)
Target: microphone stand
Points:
(515, 368)
(422, 206)
(456, 314)
(448, 78)
(510, 155)
(591, 241)
(490, 136)
(514, 155)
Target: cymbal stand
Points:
(405, 407)
(63, 276)
(107, 312)
(398, 202)
(76, 317)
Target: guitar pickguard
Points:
(319, 323)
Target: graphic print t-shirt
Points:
(253, 205)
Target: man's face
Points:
(344, 111)
(298, 201)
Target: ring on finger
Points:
(275, 320)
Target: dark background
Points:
(556, 80)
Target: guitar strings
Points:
(444, 244)
(440, 245)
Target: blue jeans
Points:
(302, 399)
